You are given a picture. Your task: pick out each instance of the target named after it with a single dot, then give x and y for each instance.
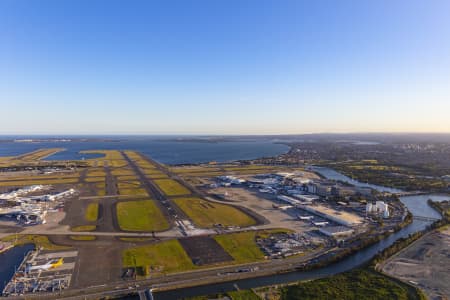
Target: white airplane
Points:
(53, 264)
(320, 224)
(285, 207)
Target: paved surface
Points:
(98, 267)
(261, 204)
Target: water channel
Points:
(416, 204)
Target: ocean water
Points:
(167, 151)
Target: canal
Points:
(417, 205)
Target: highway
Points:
(182, 279)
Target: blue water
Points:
(167, 151)
(9, 261)
(417, 205)
(173, 152)
(334, 175)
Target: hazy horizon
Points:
(91, 134)
(224, 68)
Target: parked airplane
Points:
(53, 264)
(285, 207)
(320, 224)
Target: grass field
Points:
(128, 184)
(95, 179)
(203, 174)
(83, 228)
(91, 212)
(171, 187)
(133, 155)
(131, 188)
(127, 177)
(146, 165)
(241, 246)
(151, 171)
(264, 234)
(113, 157)
(140, 215)
(108, 154)
(165, 257)
(6, 158)
(133, 192)
(206, 213)
(190, 169)
(39, 154)
(96, 172)
(243, 295)
(122, 172)
(83, 237)
(100, 186)
(40, 241)
(118, 163)
(140, 160)
(136, 239)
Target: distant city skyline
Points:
(224, 67)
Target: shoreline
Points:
(166, 284)
(170, 282)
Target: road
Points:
(182, 279)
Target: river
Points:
(334, 175)
(417, 205)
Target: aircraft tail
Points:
(60, 262)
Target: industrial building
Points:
(289, 200)
(306, 198)
(335, 231)
(340, 217)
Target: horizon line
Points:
(230, 134)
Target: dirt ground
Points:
(425, 263)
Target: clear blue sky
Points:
(225, 67)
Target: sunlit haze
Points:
(224, 67)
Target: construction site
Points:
(421, 264)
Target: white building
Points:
(378, 208)
(306, 198)
(340, 217)
(289, 200)
(335, 231)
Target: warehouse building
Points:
(340, 217)
(335, 231)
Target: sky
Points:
(224, 67)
